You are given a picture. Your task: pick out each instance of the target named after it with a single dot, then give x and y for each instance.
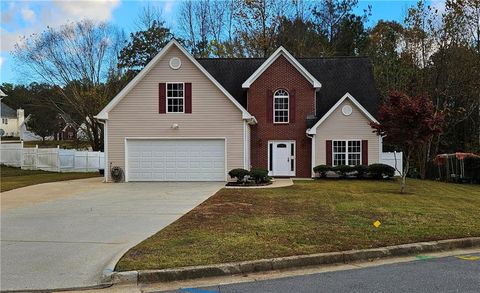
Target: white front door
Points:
(282, 158)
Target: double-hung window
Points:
(347, 152)
(280, 106)
(175, 97)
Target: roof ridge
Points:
(298, 58)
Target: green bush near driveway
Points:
(309, 217)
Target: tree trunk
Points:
(404, 174)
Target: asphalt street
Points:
(427, 274)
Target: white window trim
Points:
(288, 106)
(166, 97)
(346, 151)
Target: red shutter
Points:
(329, 152)
(364, 152)
(188, 97)
(161, 98)
(269, 106)
(292, 107)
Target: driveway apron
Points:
(69, 236)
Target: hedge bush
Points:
(380, 171)
(377, 171)
(362, 170)
(259, 175)
(342, 170)
(239, 174)
(322, 170)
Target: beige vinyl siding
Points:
(213, 114)
(340, 127)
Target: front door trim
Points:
(271, 157)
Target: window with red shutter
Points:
(162, 98)
(188, 97)
(269, 106)
(328, 151)
(292, 106)
(364, 152)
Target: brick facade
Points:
(281, 75)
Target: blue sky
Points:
(20, 18)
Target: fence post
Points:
(58, 158)
(86, 162)
(21, 155)
(36, 157)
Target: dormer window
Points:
(280, 106)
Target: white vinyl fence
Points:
(389, 159)
(50, 159)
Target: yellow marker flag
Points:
(469, 257)
(377, 224)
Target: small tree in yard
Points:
(408, 123)
(43, 123)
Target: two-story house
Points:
(187, 119)
(12, 120)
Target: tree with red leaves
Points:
(407, 123)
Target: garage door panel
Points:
(176, 160)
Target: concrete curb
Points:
(245, 267)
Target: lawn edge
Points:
(297, 261)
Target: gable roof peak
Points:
(347, 95)
(281, 51)
(103, 115)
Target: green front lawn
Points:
(12, 178)
(309, 217)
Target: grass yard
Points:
(12, 178)
(309, 217)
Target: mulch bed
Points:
(248, 184)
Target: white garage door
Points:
(176, 160)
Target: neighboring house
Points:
(11, 120)
(187, 119)
(67, 129)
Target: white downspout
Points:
(312, 137)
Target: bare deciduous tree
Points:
(258, 23)
(80, 58)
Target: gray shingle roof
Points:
(8, 112)
(337, 75)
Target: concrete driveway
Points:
(67, 234)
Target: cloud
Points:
(1, 61)
(168, 7)
(37, 15)
(92, 9)
(28, 14)
(9, 39)
(438, 5)
(7, 14)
